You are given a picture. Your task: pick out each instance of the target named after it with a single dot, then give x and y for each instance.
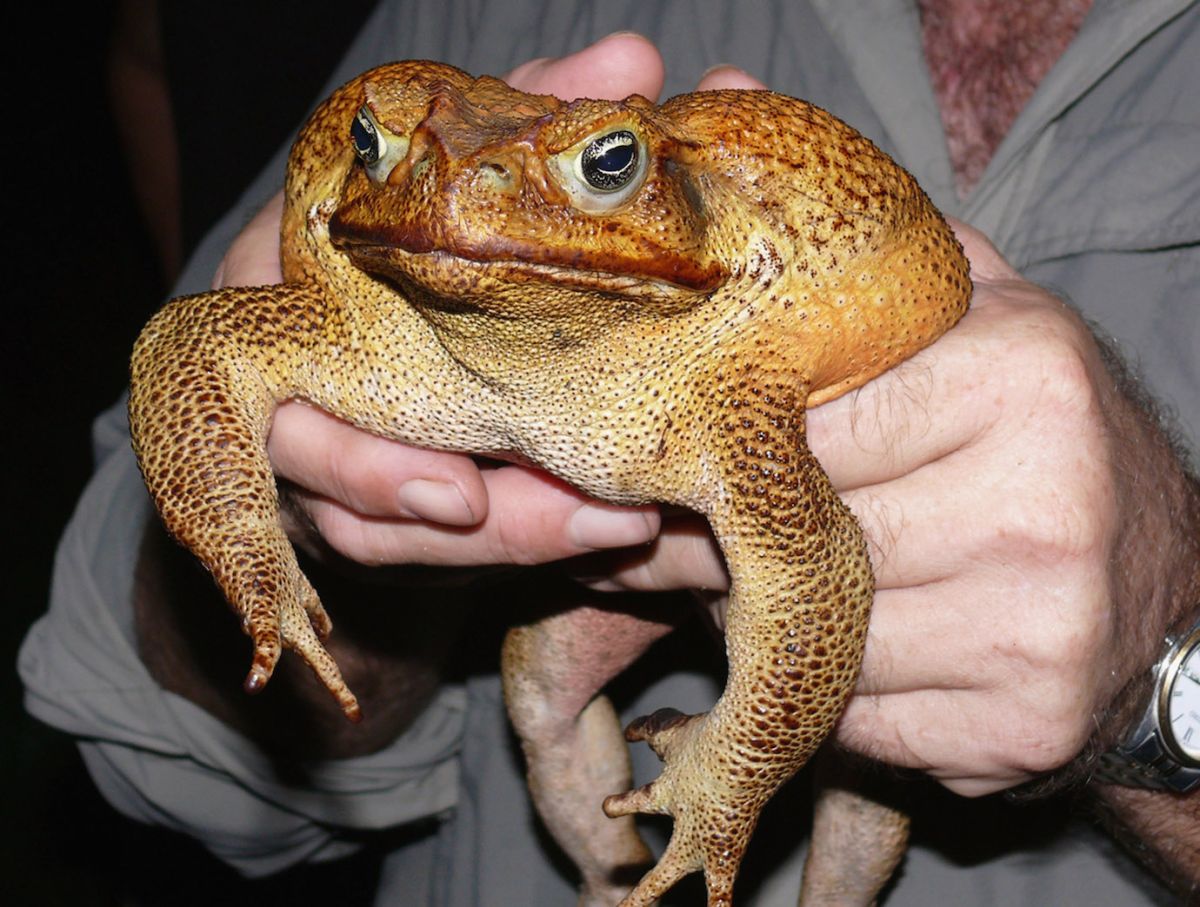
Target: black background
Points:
(241, 76)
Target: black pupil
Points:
(609, 162)
(362, 133)
(616, 158)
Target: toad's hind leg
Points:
(858, 836)
(554, 669)
(801, 591)
(206, 375)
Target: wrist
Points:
(1156, 563)
(1154, 571)
(1162, 749)
(1159, 829)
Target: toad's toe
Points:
(713, 819)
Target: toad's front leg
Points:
(206, 375)
(796, 624)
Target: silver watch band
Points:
(1143, 758)
(1146, 764)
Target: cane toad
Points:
(640, 299)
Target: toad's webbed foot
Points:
(554, 669)
(795, 626)
(713, 819)
(713, 822)
(200, 409)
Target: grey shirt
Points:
(1094, 193)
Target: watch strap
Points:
(1146, 764)
(1143, 758)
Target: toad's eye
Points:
(603, 171)
(378, 149)
(609, 162)
(368, 143)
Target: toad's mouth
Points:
(616, 264)
(462, 281)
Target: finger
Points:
(907, 623)
(684, 555)
(917, 413)
(975, 743)
(613, 68)
(1001, 623)
(726, 76)
(532, 518)
(952, 394)
(966, 749)
(371, 476)
(253, 259)
(986, 262)
(927, 525)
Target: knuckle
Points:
(338, 532)
(1063, 374)
(1055, 649)
(358, 477)
(1056, 496)
(1055, 717)
(1052, 738)
(353, 474)
(346, 534)
(518, 536)
(335, 465)
(1061, 524)
(1049, 359)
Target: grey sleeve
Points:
(160, 759)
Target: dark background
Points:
(241, 76)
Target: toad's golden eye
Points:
(378, 149)
(609, 162)
(603, 171)
(369, 145)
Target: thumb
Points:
(613, 68)
(987, 264)
(726, 76)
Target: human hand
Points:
(1021, 514)
(1034, 537)
(985, 470)
(377, 501)
(981, 473)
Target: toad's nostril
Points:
(499, 174)
(497, 170)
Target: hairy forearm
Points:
(1160, 829)
(1156, 591)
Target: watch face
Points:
(1183, 705)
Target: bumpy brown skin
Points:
(665, 350)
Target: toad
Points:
(642, 300)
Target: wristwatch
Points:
(1162, 752)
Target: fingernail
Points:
(731, 76)
(440, 502)
(597, 526)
